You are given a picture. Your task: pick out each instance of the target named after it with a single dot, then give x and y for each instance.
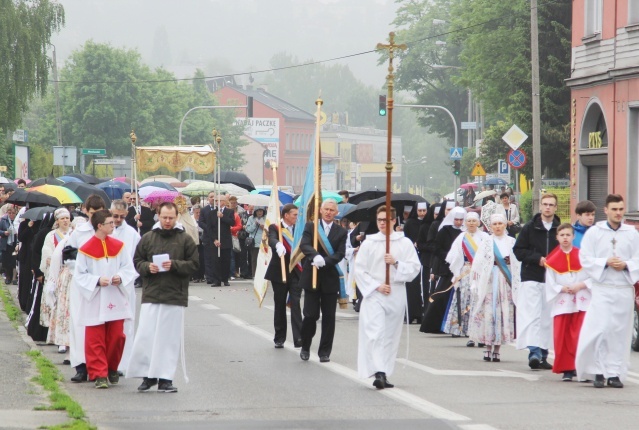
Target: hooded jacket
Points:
(534, 242)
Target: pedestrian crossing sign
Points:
(455, 153)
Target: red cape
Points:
(97, 249)
(561, 262)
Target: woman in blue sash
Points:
(494, 273)
(460, 257)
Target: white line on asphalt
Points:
(195, 298)
(633, 374)
(210, 307)
(337, 314)
(476, 427)
(494, 373)
(398, 394)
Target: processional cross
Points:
(614, 244)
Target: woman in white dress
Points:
(495, 275)
(460, 258)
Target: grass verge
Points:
(13, 313)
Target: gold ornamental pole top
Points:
(133, 137)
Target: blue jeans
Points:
(536, 351)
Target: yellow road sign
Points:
(478, 170)
(322, 118)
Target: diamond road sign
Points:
(514, 137)
(86, 151)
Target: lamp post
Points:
(410, 163)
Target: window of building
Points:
(633, 160)
(594, 17)
(633, 12)
(288, 141)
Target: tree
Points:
(24, 70)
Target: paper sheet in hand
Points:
(159, 259)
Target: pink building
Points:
(605, 103)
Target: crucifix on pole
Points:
(391, 47)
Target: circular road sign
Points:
(516, 158)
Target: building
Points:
(604, 107)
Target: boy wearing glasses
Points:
(382, 310)
(534, 323)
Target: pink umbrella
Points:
(468, 186)
(161, 196)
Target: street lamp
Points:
(410, 163)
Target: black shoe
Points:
(324, 359)
(380, 381)
(305, 355)
(470, 344)
(80, 377)
(614, 382)
(66, 362)
(386, 383)
(279, 345)
(567, 376)
(599, 382)
(534, 362)
(481, 345)
(544, 365)
(166, 386)
(226, 284)
(210, 282)
(147, 383)
(496, 357)
(114, 377)
(297, 343)
(486, 355)
(216, 285)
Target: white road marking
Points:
(398, 394)
(476, 427)
(493, 373)
(210, 307)
(337, 314)
(195, 298)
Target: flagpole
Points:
(274, 192)
(134, 175)
(390, 83)
(316, 193)
(218, 139)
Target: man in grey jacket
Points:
(165, 259)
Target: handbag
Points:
(236, 244)
(250, 240)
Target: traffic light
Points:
(456, 167)
(382, 105)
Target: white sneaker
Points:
(62, 349)
(232, 278)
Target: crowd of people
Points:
(452, 270)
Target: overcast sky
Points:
(232, 35)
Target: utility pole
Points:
(58, 117)
(536, 126)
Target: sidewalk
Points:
(19, 396)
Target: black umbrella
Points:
(366, 195)
(38, 213)
(85, 190)
(51, 180)
(34, 198)
(158, 184)
(87, 179)
(235, 178)
(10, 186)
(366, 210)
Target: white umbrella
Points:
(162, 178)
(234, 190)
(145, 191)
(254, 199)
(484, 194)
(3, 180)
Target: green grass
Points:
(13, 313)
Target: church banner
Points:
(176, 158)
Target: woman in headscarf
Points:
(460, 258)
(414, 298)
(26, 232)
(424, 250)
(439, 299)
(494, 274)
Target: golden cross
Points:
(391, 47)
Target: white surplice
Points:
(381, 315)
(566, 303)
(604, 341)
(130, 237)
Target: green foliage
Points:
(525, 206)
(25, 34)
(13, 313)
(467, 164)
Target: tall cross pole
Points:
(390, 83)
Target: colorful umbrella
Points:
(145, 191)
(161, 196)
(67, 179)
(64, 195)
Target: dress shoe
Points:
(305, 355)
(226, 284)
(324, 359)
(386, 383)
(380, 381)
(279, 345)
(545, 365)
(599, 381)
(534, 362)
(614, 382)
(470, 344)
(79, 377)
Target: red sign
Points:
(516, 158)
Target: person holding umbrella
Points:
(8, 241)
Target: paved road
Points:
(239, 381)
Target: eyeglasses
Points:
(381, 220)
(108, 223)
(119, 216)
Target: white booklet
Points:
(159, 259)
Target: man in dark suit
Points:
(204, 222)
(324, 296)
(222, 262)
(291, 286)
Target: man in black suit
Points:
(226, 219)
(324, 297)
(291, 286)
(204, 222)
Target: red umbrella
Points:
(468, 186)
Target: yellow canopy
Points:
(176, 158)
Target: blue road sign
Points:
(456, 153)
(516, 158)
(504, 168)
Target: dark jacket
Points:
(274, 270)
(534, 242)
(146, 218)
(327, 276)
(172, 287)
(5, 224)
(443, 242)
(226, 222)
(205, 224)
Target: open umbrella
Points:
(366, 195)
(114, 189)
(38, 213)
(160, 178)
(236, 178)
(161, 196)
(325, 195)
(234, 190)
(484, 194)
(67, 179)
(64, 195)
(28, 181)
(366, 211)
(4, 180)
(200, 188)
(125, 180)
(158, 184)
(34, 198)
(10, 186)
(50, 180)
(468, 186)
(254, 199)
(282, 196)
(86, 178)
(145, 191)
(85, 190)
(495, 181)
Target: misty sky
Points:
(223, 36)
